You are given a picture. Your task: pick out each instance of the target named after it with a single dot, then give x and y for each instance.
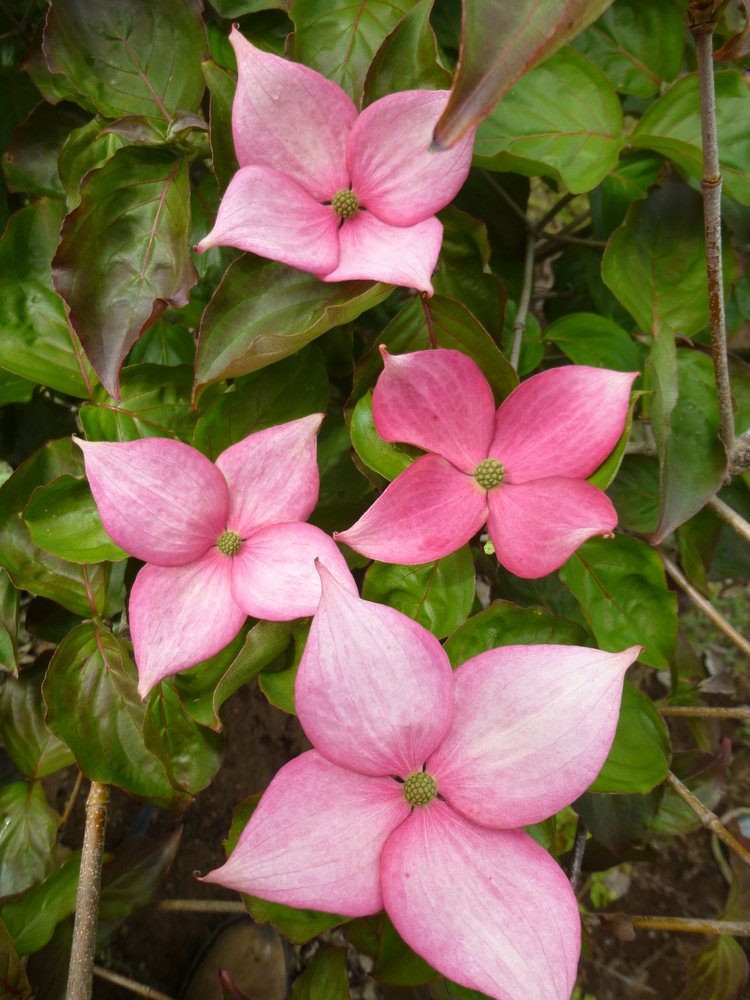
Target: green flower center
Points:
(230, 543)
(489, 473)
(345, 204)
(420, 789)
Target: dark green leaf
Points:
(397, 964)
(236, 8)
(36, 341)
(383, 457)
(325, 977)
(130, 57)
(505, 624)
(343, 488)
(562, 120)
(407, 58)
(620, 585)
(32, 918)
(619, 822)
(639, 46)
(639, 757)
(628, 182)
(93, 707)
(292, 388)
(13, 979)
(163, 344)
(672, 127)
(48, 968)
(438, 595)
(500, 44)
(340, 40)
(609, 468)
(49, 621)
(18, 97)
(204, 688)
(30, 163)
(222, 87)
(131, 878)
(28, 831)
(87, 148)
(9, 605)
(719, 972)
(124, 253)
(698, 538)
(54, 87)
(30, 745)
(277, 680)
(63, 519)
(14, 389)
(264, 311)
(635, 494)
(85, 590)
(588, 339)
(211, 265)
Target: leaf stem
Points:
(81, 973)
(519, 326)
(579, 846)
(710, 820)
(733, 519)
(129, 984)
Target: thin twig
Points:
(702, 712)
(684, 925)
(632, 983)
(733, 519)
(704, 604)
(710, 820)
(498, 189)
(72, 799)
(641, 448)
(575, 241)
(129, 984)
(555, 210)
(579, 846)
(81, 972)
(519, 325)
(202, 906)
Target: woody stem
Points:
(710, 820)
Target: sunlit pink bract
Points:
(300, 141)
(166, 503)
(549, 435)
(510, 737)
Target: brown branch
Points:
(579, 846)
(72, 799)
(519, 325)
(704, 604)
(733, 519)
(685, 925)
(81, 972)
(129, 984)
(201, 906)
(710, 820)
(702, 712)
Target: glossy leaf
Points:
(86, 148)
(397, 964)
(620, 585)
(619, 822)
(49, 967)
(130, 57)
(37, 343)
(438, 595)
(718, 972)
(264, 311)
(204, 688)
(562, 120)
(635, 494)
(132, 876)
(292, 388)
(277, 680)
(325, 977)
(499, 45)
(505, 624)
(639, 46)
(86, 590)
(30, 164)
(639, 757)
(588, 339)
(163, 344)
(28, 831)
(607, 471)
(672, 126)
(54, 87)
(14, 389)
(407, 58)
(13, 979)
(222, 87)
(32, 918)
(340, 40)
(93, 706)
(124, 255)
(10, 599)
(383, 457)
(29, 743)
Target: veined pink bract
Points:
(419, 782)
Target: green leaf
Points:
(54, 87)
(163, 344)
(397, 964)
(49, 967)
(619, 822)
(620, 585)
(292, 388)
(264, 311)
(588, 339)
(463, 270)
(10, 599)
(28, 831)
(86, 148)
(438, 595)
(30, 163)
(607, 471)
(562, 120)
(124, 254)
(388, 460)
(37, 343)
(672, 127)
(94, 708)
(86, 590)
(703, 773)
(340, 40)
(635, 494)
(325, 977)
(49, 621)
(628, 182)
(204, 688)
(718, 972)
(236, 8)
(13, 979)
(32, 918)
(639, 46)
(18, 97)
(505, 624)
(30, 745)
(639, 757)
(222, 87)
(63, 519)
(500, 44)
(407, 59)
(277, 680)
(14, 389)
(130, 58)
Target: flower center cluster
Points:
(345, 204)
(420, 789)
(489, 473)
(230, 543)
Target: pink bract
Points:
(167, 504)
(300, 142)
(547, 437)
(508, 739)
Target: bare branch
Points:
(129, 984)
(202, 906)
(733, 519)
(579, 846)
(703, 712)
(710, 820)
(519, 326)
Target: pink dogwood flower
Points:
(420, 781)
(220, 541)
(327, 190)
(521, 470)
